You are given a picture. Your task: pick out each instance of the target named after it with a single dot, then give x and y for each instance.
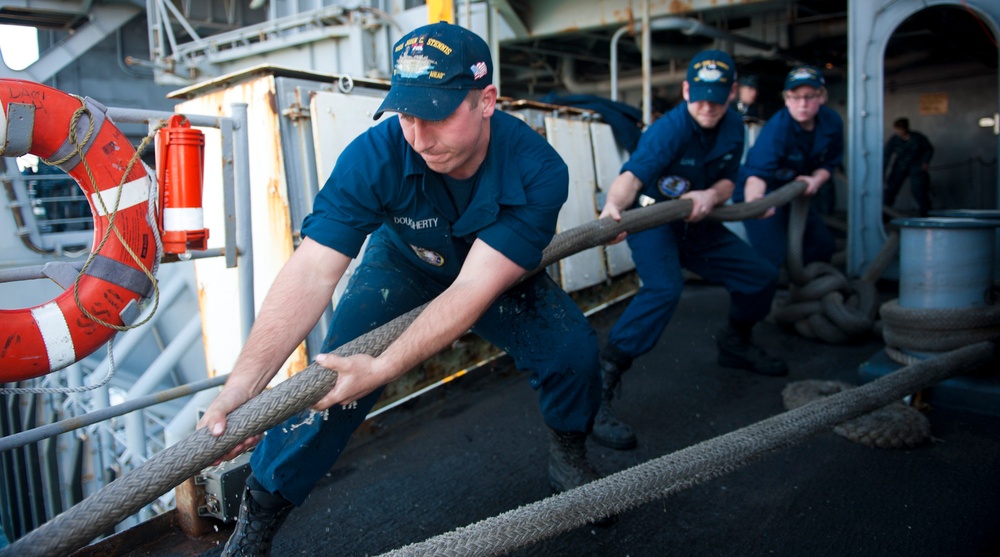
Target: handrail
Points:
(23, 438)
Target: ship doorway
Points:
(940, 77)
(934, 62)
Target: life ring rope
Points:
(123, 275)
(116, 283)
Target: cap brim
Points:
(714, 93)
(803, 83)
(426, 103)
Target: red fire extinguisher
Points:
(180, 161)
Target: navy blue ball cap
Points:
(433, 69)
(804, 75)
(710, 77)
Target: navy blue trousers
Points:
(709, 250)
(770, 237)
(535, 322)
(920, 186)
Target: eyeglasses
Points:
(798, 98)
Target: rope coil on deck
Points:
(825, 304)
(894, 426)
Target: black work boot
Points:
(569, 467)
(261, 514)
(568, 464)
(608, 429)
(737, 350)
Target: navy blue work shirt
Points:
(783, 150)
(676, 155)
(381, 185)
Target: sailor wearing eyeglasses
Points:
(802, 141)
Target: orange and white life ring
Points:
(36, 119)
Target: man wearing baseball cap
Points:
(803, 141)
(457, 201)
(692, 152)
(746, 101)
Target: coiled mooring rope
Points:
(824, 304)
(118, 500)
(894, 426)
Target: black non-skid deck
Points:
(478, 448)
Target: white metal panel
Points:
(336, 120)
(750, 132)
(571, 139)
(608, 160)
(218, 286)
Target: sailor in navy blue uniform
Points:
(692, 152)
(458, 200)
(802, 141)
(910, 152)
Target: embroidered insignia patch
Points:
(428, 256)
(673, 186)
(412, 65)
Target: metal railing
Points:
(60, 442)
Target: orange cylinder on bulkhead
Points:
(180, 161)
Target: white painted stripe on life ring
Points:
(3, 130)
(180, 219)
(133, 193)
(55, 332)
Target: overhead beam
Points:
(103, 21)
(554, 17)
(512, 19)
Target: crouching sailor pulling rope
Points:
(692, 153)
(458, 200)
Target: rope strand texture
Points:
(689, 467)
(116, 501)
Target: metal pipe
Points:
(647, 64)
(614, 60)
(167, 359)
(244, 239)
(35, 272)
(135, 423)
(670, 76)
(187, 418)
(228, 194)
(688, 26)
(16, 440)
(141, 116)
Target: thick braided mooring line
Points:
(823, 302)
(691, 466)
(77, 526)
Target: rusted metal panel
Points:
(218, 287)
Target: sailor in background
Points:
(692, 152)
(803, 141)
(910, 152)
(746, 100)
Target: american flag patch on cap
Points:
(478, 70)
